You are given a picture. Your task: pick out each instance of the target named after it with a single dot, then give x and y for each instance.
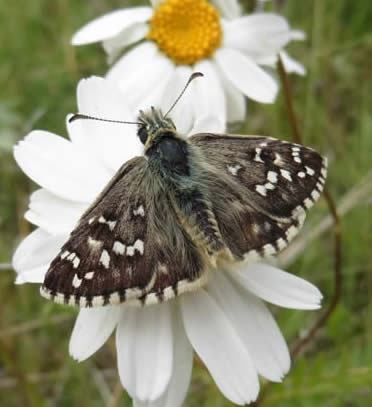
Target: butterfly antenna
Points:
(79, 116)
(192, 77)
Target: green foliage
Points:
(39, 71)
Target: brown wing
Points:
(266, 186)
(128, 247)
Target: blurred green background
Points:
(39, 70)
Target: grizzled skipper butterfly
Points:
(167, 219)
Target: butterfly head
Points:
(154, 126)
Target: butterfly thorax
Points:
(165, 149)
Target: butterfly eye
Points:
(142, 134)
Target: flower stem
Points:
(338, 252)
(336, 220)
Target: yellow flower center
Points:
(186, 30)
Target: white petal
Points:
(34, 254)
(267, 60)
(247, 76)
(110, 24)
(230, 9)
(139, 57)
(143, 80)
(216, 341)
(257, 34)
(182, 368)
(57, 165)
(255, 326)
(35, 275)
(277, 286)
(298, 35)
(154, 94)
(144, 342)
(55, 215)
(209, 96)
(208, 124)
(235, 101)
(125, 71)
(128, 36)
(183, 113)
(291, 65)
(92, 329)
(113, 143)
(155, 3)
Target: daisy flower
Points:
(213, 37)
(226, 323)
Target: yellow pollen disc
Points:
(186, 30)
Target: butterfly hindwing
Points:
(127, 247)
(265, 187)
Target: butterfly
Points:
(169, 218)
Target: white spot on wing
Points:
(269, 250)
(98, 301)
(138, 246)
(71, 256)
(291, 232)
(114, 298)
(59, 298)
(261, 190)
(118, 248)
(94, 244)
(269, 185)
(278, 159)
(110, 223)
(309, 171)
(83, 302)
(169, 293)
(75, 262)
(72, 300)
(281, 243)
(315, 195)
(130, 251)
(65, 254)
(286, 174)
(89, 275)
(301, 174)
(139, 211)
(105, 259)
(257, 157)
(296, 154)
(234, 169)
(76, 282)
(308, 203)
(272, 176)
(162, 268)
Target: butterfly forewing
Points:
(266, 185)
(128, 247)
